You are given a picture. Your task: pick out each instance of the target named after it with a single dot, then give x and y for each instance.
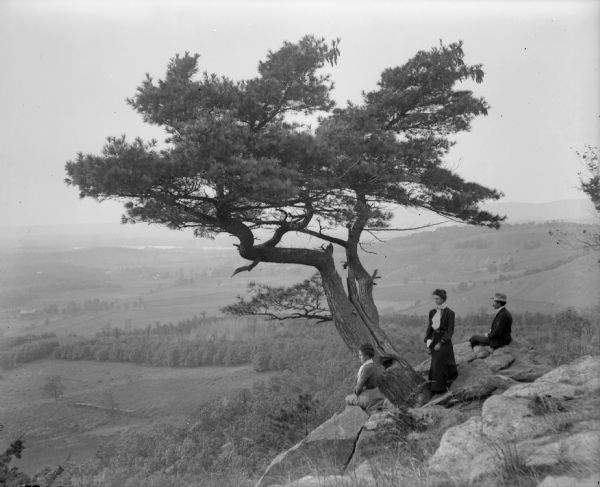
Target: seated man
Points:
(366, 393)
(499, 335)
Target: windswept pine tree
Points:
(237, 161)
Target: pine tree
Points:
(236, 162)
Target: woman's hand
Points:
(437, 346)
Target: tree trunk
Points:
(354, 313)
(400, 383)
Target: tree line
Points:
(26, 348)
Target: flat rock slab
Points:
(327, 449)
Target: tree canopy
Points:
(234, 161)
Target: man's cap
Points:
(500, 297)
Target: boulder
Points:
(475, 380)
(500, 359)
(327, 449)
(482, 351)
(583, 372)
(463, 453)
(580, 377)
(581, 448)
(523, 371)
(380, 433)
(558, 429)
(510, 419)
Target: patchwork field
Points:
(52, 431)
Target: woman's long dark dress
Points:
(443, 369)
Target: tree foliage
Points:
(590, 184)
(233, 156)
(305, 299)
(54, 387)
(11, 476)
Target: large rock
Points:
(524, 371)
(327, 449)
(528, 364)
(475, 381)
(463, 452)
(581, 448)
(499, 359)
(561, 427)
(380, 433)
(567, 381)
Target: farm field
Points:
(53, 431)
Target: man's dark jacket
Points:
(499, 335)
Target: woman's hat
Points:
(500, 297)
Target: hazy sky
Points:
(67, 67)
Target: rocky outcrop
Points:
(517, 361)
(483, 371)
(553, 421)
(327, 449)
(546, 424)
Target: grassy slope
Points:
(413, 266)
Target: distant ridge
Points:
(115, 234)
(574, 210)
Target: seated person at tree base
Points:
(366, 393)
(499, 335)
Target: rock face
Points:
(379, 432)
(483, 371)
(327, 449)
(552, 421)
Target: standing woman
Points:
(438, 340)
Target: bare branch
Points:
(248, 267)
(406, 229)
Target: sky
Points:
(67, 67)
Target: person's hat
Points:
(500, 297)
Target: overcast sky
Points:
(67, 67)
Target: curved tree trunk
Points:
(354, 312)
(400, 383)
